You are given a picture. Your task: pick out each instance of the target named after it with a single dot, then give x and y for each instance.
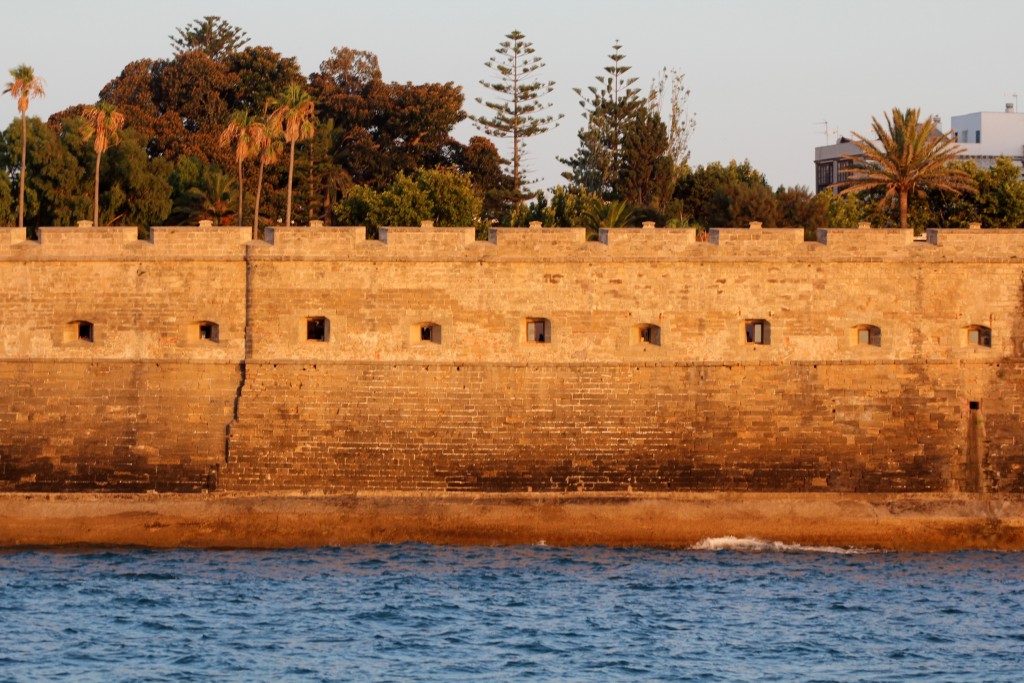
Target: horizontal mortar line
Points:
(313, 495)
(466, 364)
(127, 258)
(925, 259)
(136, 361)
(634, 259)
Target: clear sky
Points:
(764, 75)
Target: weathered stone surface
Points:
(917, 522)
(148, 403)
(113, 425)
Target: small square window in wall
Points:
(979, 335)
(85, 331)
(318, 329)
(869, 335)
(78, 332)
(427, 333)
(207, 331)
(649, 334)
(758, 332)
(538, 330)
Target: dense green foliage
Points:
(443, 196)
(236, 134)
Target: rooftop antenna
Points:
(828, 132)
(1014, 96)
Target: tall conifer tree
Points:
(518, 109)
(608, 108)
(211, 35)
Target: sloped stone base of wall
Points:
(114, 425)
(847, 427)
(343, 427)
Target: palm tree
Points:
(293, 113)
(104, 126)
(910, 156)
(209, 199)
(271, 149)
(24, 86)
(248, 133)
(615, 214)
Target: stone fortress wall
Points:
(184, 363)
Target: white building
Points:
(988, 135)
(985, 136)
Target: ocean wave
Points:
(757, 545)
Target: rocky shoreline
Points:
(906, 522)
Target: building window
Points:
(758, 332)
(206, 331)
(977, 136)
(868, 335)
(318, 329)
(649, 334)
(979, 335)
(427, 333)
(824, 174)
(538, 330)
(844, 169)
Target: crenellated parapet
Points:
(429, 243)
(199, 243)
(123, 243)
(867, 242)
(647, 240)
(1000, 244)
(315, 242)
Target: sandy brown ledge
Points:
(919, 522)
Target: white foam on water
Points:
(757, 545)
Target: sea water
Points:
(726, 610)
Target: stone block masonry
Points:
(579, 427)
(320, 361)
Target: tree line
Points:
(236, 134)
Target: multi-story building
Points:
(985, 136)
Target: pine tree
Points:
(518, 109)
(212, 35)
(608, 107)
